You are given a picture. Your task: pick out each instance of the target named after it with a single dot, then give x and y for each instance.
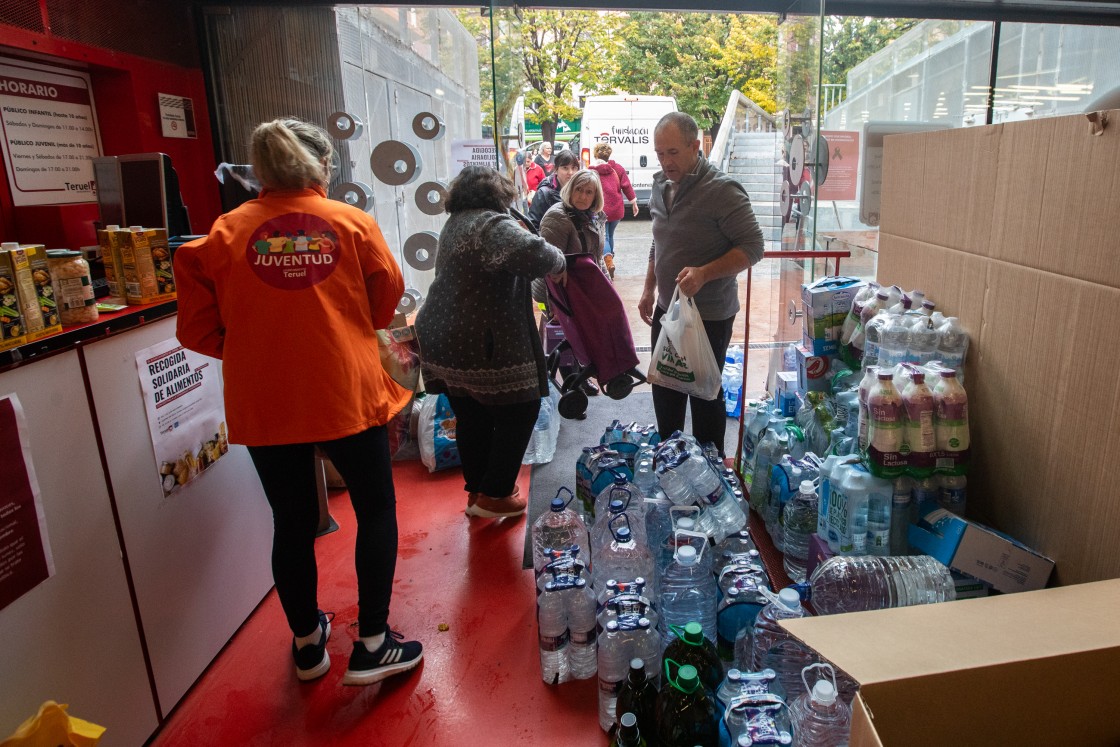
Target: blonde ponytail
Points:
(290, 154)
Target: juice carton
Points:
(110, 242)
(12, 330)
(147, 265)
(36, 293)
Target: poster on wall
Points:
(186, 415)
(25, 553)
(843, 162)
(48, 133)
(176, 116)
(472, 153)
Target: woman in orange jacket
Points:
(288, 290)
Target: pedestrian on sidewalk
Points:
(616, 188)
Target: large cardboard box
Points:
(1015, 229)
(1037, 668)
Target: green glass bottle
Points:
(628, 734)
(638, 695)
(691, 647)
(686, 714)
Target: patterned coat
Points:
(478, 336)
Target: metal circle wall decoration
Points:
(786, 201)
(344, 126)
(410, 301)
(428, 126)
(431, 197)
(358, 194)
(420, 250)
(797, 160)
(395, 163)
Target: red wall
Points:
(125, 92)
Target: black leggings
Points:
(287, 473)
(491, 440)
(709, 418)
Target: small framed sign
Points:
(176, 116)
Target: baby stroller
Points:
(596, 331)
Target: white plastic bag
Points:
(542, 444)
(437, 433)
(683, 358)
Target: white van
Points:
(626, 123)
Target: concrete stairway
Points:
(753, 163)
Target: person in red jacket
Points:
(288, 290)
(616, 185)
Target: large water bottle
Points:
(621, 641)
(688, 592)
(799, 520)
(773, 444)
(819, 717)
(735, 547)
(579, 602)
(855, 584)
(828, 469)
(620, 489)
(644, 478)
(601, 529)
(758, 719)
(953, 345)
(686, 713)
(585, 475)
(756, 427)
(723, 512)
(623, 558)
(772, 647)
(742, 589)
(559, 527)
(552, 632)
(681, 518)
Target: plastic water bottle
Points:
(873, 338)
(756, 427)
(644, 478)
(620, 489)
(774, 648)
(682, 518)
(686, 714)
(953, 345)
(691, 646)
(724, 514)
(761, 719)
(735, 547)
(559, 527)
(674, 481)
(638, 696)
(855, 584)
(893, 344)
(819, 717)
(542, 443)
(621, 641)
(742, 596)
(579, 603)
(738, 684)
(622, 558)
(799, 520)
(732, 388)
(923, 341)
(953, 496)
(900, 516)
(688, 594)
(552, 631)
(879, 506)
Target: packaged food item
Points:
(12, 330)
(109, 241)
(148, 272)
(73, 288)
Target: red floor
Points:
(479, 683)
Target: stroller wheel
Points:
(572, 404)
(619, 387)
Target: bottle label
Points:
(585, 638)
(609, 688)
(553, 642)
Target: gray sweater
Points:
(478, 336)
(711, 214)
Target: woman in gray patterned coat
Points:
(478, 337)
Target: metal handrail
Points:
(720, 153)
(836, 254)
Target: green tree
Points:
(849, 40)
(503, 67)
(560, 51)
(750, 57)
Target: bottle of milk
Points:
(885, 421)
(950, 413)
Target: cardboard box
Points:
(820, 347)
(36, 294)
(13, 331)
(826, 302)
(148, 272)
(812, 371)
(968, 587)
(1032, 669)
(1000, 227)
(979, 551)
(113, 262)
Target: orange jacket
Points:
(288, 291)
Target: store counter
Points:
(146, 587)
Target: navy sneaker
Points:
(393, 657)
(312, 660)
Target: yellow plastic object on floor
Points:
(52, 726)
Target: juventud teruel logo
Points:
(293, 251)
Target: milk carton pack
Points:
(146, 257)
(13, 332)
(826, 303)
(36, 294)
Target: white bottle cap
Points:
(824, 693)
(687, 523)
(788, 596)
(807, 487)
(686, 555)
(9, 245)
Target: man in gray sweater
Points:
(704, 234)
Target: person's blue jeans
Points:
(609, 248)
